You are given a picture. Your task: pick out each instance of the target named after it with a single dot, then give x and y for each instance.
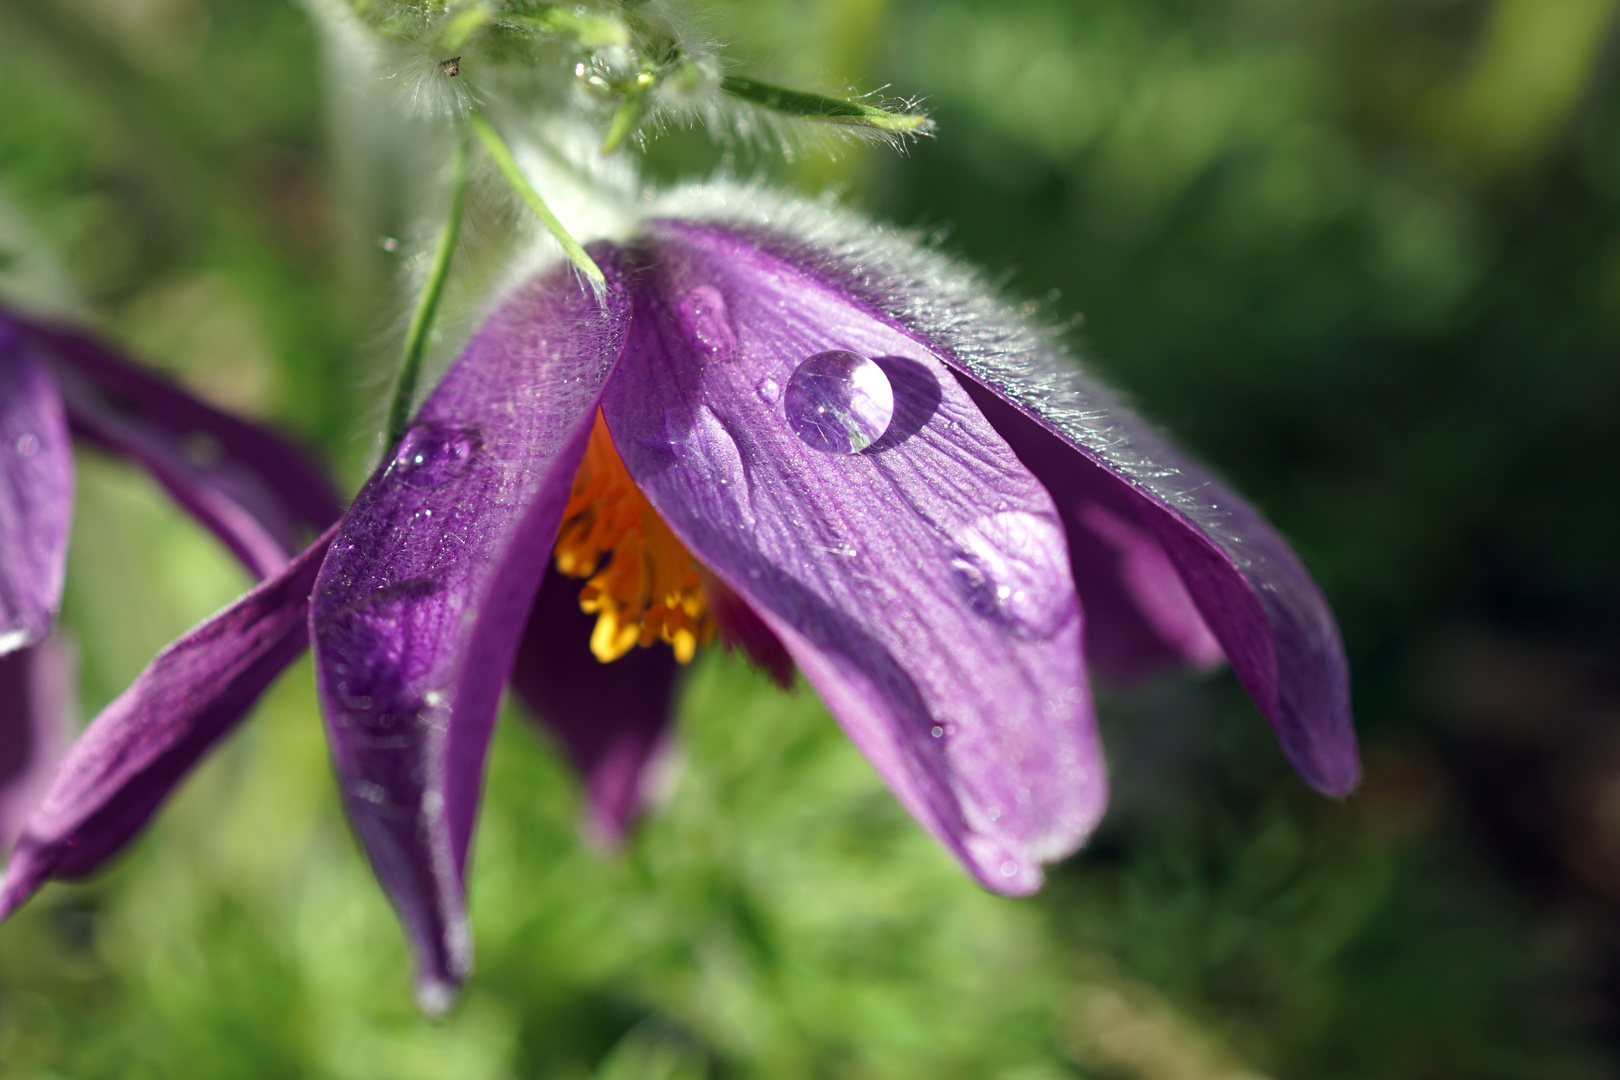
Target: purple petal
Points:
(251, 487)
(1266, 612)
(922, 585)
(36, 717)
(131, 756)
(263, 538)
(611, 717)
(1260, 603)
(1139, 612)
(36, 494)
(741, 628)
(420, 607)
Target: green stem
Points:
(427, 305)
(509, 168)
(629, 115)
(825, 109)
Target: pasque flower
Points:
(783, 426)
(251, 488)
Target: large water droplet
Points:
(1013, 568)
(433, 452)
(839, 402)
(706, 323)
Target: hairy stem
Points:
(427, 304)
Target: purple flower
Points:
(251, 488)
(781, 426)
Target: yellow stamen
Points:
(649, 587)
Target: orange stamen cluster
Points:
(642, 584)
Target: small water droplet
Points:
(1013, 568)
(839, 402)
(706, 323)
(432, 453)
(1009, 868)
(994, 813)
(27, 445)
(937, 732)
(769, 391)
(372, 793)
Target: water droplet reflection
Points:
(839, 402)
(433, 452)
(1013, 568)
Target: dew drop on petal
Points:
(433, 452)
(27, 445)
(937, 732)
(769, 391)
(1013, 568)
(839, 402)
(705, 322)
(1009, 868)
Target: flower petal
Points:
(740, 628)
(1140, 614)
(132, 755)
(1264, 609)
(611, 717)
(1268, 616)
(36, 493)
(419, 608)
(249, 486)
(36, 707)
(922, 585)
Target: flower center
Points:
(642, 584)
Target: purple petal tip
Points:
(436, 997)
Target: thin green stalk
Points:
(628, 117)
(825, 109)
(427, 305)
(509, 168)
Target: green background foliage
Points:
(1362, 255)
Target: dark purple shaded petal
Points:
(189, 444)
(36, 494)
(922, 586)
(1260, 603)
(36, 718)
(419, 609)
(1139, 614)
(741, 628)
(611, 717)
(131, 756)
(262, 538)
